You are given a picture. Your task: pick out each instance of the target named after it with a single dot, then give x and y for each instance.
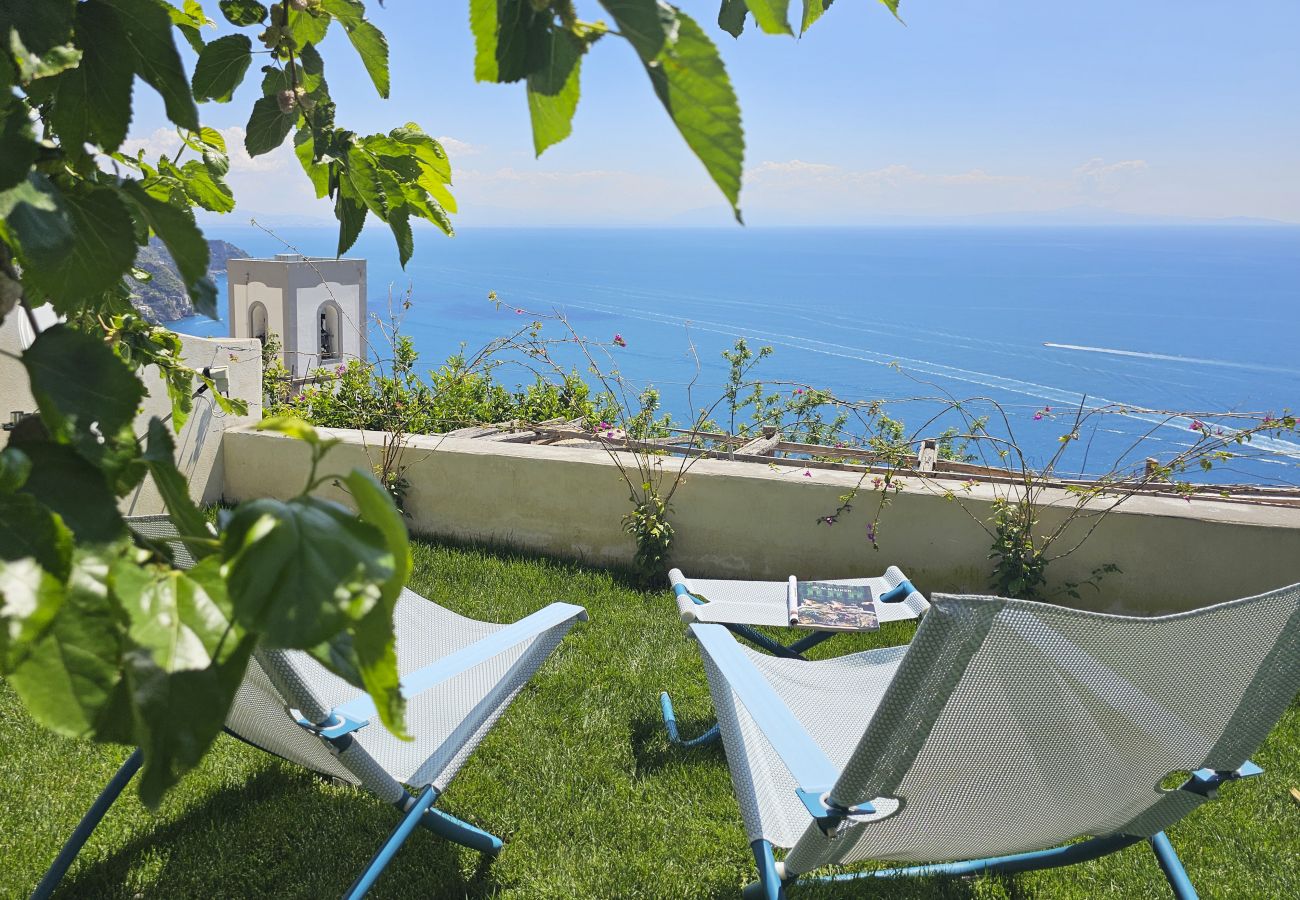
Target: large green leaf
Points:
(28, 529)
(18, 147)
(71, 674)
(691, 82)
(153, 52)
(243, 12)
(30, 598)
(93, 101)
(175, 227)
(268, 126)
(509, 39)
(39, 25)
(15, 466)
(553, 90)
(78, 382)
(102, 249)
(160, 457)
(65, 482)
(374, 642)
(350, 210)
(182, 618)
(221, 67)
(367, 40)
(32, 66)
(34, 221)
(299, 571)
(363, 174)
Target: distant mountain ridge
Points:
(163, 298)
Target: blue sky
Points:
(1153, 108)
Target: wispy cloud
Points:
(1099, 176)
(457, 148)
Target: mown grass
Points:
(578, 778)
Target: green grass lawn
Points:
(578, 778)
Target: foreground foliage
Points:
(578, 777)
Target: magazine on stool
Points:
(824, 606)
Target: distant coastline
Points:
(163, 298)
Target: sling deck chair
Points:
(458, 676)
(739, 605)
(1004, 733)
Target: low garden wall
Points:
(736, 519)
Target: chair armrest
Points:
(806, 761)
(453, 664)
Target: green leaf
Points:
(553, 90)
(509, 39)
(160, 457)
(181, 618)
(103, 248)
(243, 12)
(374, 643)
(34, 221)
(350, 210)
(69, 485)
(731, 15)
(363, 174)
(301, 570)
(30, 598)
(18, 147)
(206, 189)
(308, 26)
(188, 248)
(891, 5)
(32, 66)
(71, 675)
(268, 126)
(367, 40)
(221, 67)
(298, 429)
(15, 466)
(93, 102)
(78, 382)
(691, 82)
(813, 10)
(771, 15)
(39, 25)
(153, 53)
(319, 173)
(28, 529)
(399, 222)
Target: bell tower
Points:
(316, 306)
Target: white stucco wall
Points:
(746, 520)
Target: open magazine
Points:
(831, 607)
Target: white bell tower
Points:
(317, 307)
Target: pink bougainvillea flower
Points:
(877, 482)
(1197, 425)
(339, 370)
(807, 473)
(519, 312)
(1038, 417)
(871, 532)
(618, 340)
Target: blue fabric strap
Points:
(451, 665)
(898, 594)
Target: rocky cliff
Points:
(163, 297)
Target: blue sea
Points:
(1197, 319)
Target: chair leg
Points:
(1172, 867)
(394, 843)
(670, 725)
(82, 833)
(769, 885)
(445, 825)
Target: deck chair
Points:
(1004, 733)
(740, 605)
(458, 676)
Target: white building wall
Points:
(295, 290)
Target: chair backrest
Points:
(160, 528)
(1030, 724)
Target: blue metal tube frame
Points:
(448, 826)
(1172, 866)
(1019, 862)
(670, 725)
(413, 817)
(82, 833)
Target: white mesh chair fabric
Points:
(1008, 726)
(446, 722)
(763, 602)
